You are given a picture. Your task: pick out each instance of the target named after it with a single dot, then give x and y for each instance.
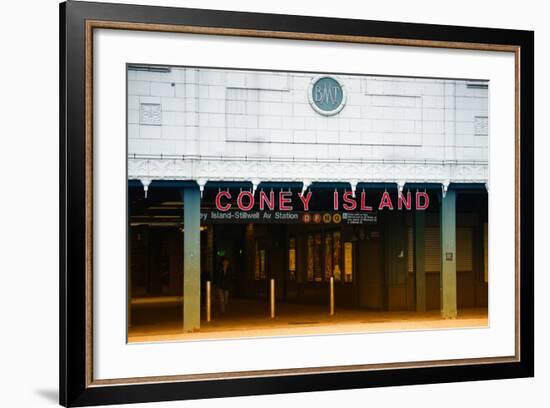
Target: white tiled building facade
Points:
(236, 125)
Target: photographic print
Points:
(272, 203)
(257, 204)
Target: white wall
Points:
(212, 112)
(203, 113)
(29, 254)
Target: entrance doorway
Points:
(371, 272)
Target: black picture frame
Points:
(75, 387)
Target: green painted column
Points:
(191, 259)
(448, 255)
(419, 264)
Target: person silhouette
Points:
(223, 280)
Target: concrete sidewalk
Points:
(250, 318)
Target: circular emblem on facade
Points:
(327, 95)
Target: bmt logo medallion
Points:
(327, 95)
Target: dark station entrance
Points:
(370, 259)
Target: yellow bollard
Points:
(208, 300)
(272, 297)
(332, 296)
